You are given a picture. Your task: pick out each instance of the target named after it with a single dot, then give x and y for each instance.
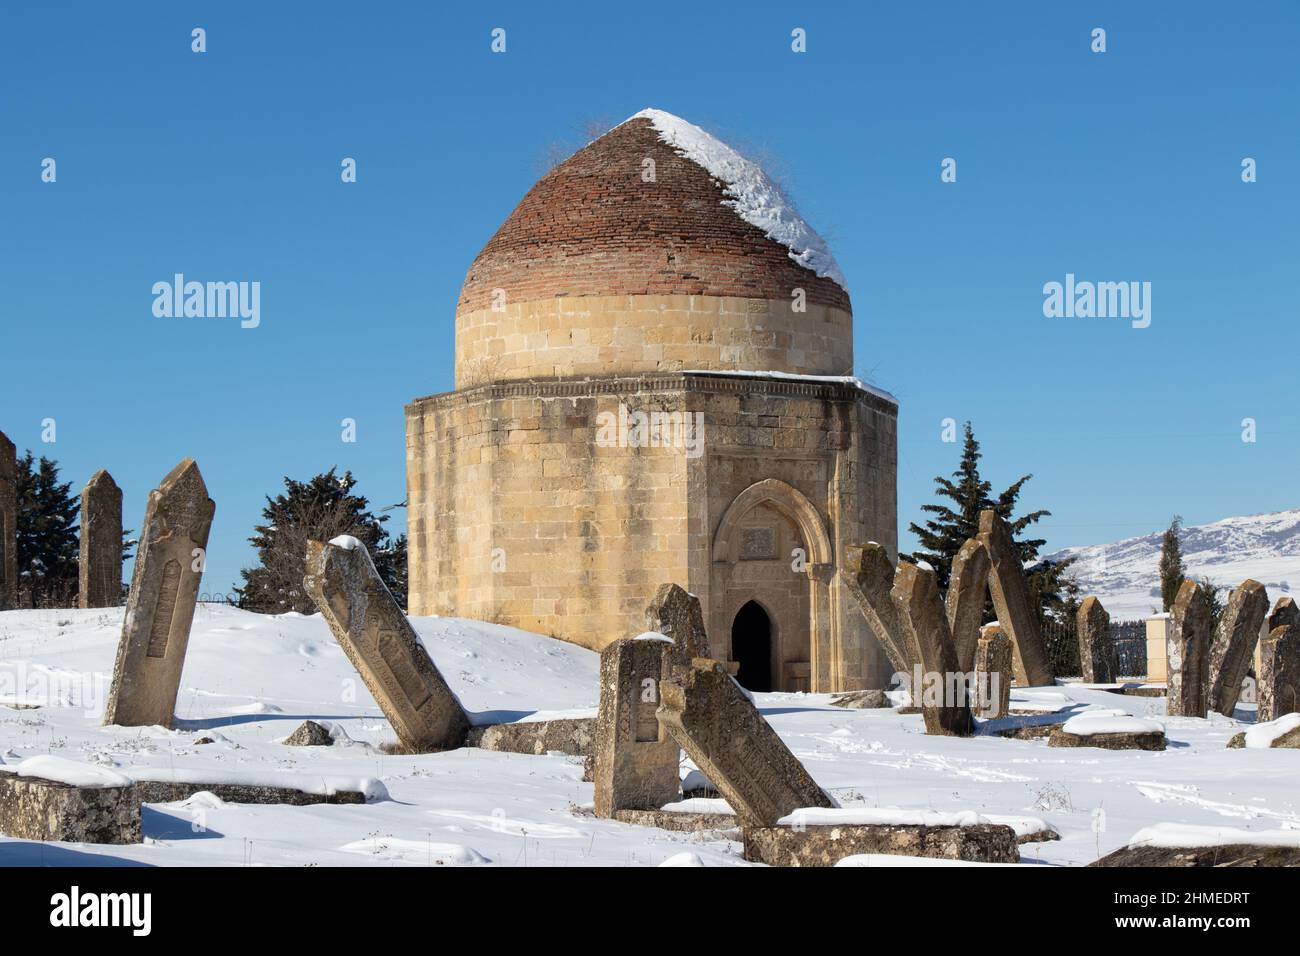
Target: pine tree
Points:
(47, 535)
(315, 510)
(954, 524)
(1171, 563)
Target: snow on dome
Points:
(752, 194)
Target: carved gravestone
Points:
(1284, 612)
(160, 607)
(8, 524)
(383, 647)
(1188, 644)
(676, 614)
(868, 578)
(993, 672)
(1097, 652)
(99, 562)
(715, 722)
(636, 758)
(1279, 672)
(1233, 649)
(1010, 593)
(942, 694)
(968, 586)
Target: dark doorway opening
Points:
(751, 646)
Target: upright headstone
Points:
(676, 614)
(99, 562)
(942, 691)
(1284, 612)
(993, 672)
(968, 586)
(1010, 593)
(8, 524)
(1189, 644)
(715, 722)
(1097, 652)
(868, 578)
(383, 647)
(637, 759)
(1279, 673)
(160, 606)
(1233, 649)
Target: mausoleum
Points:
(654, 383)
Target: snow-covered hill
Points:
(1125, 575)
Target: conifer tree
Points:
(316, 510)
(1171, 563)
(47, 535)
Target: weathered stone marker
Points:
(1233, 649)
(1188, 647)
(34, 808)
(1284, 612)
(993, 671)
(968, 585)
(8, 524)
(1279, 673)
(713, 720)
(1097, 652)
(676, 614)
(1010, 593)
(99, 563)
(868, 578)
(383, 647)
(160, 607)
(942, 694)
(636, 758)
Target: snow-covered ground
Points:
(250, 680)
(1125, 575)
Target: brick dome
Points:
(593, 232)
(591, 226)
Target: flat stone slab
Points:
(1142, 691)
(861, 700)
(678, 820)
(826, 845)
(166, 791)
(34, 808)
(1151, 740)
(575, 736)
(1235, 854)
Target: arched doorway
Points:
(751, 647)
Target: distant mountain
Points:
(1125, 575)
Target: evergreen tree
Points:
(316, 510)
(956, 521)
(1171, 563)
(47, 533)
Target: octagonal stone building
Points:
(654, 384)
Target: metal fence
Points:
(1129, 638)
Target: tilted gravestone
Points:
(1284, 612)
(968, 586)
(868, 578)
(1010, 593)
(636, 758)
(1097, 652)
(99, 561)
(1279, 672)
(160, 607)
(993, 672)
(383, 647)
(942, 694)
(1188, 644)
(1233, 649)
(8, 524)
(676, 614)
(715, 722)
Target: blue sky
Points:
(1118, 166)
